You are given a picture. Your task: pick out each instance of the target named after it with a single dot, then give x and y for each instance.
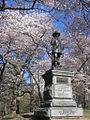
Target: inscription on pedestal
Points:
(63, 91)
(62, 80)
(58, 91)
(67, 112)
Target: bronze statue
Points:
(56, 50)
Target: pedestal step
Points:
(59, 112)
(59, 103)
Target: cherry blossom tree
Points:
(77, 59)
(53, 6)
(29, 36)
(21, 45)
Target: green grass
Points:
(87, 113)
(15, 117)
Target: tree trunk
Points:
(13, 101)
(13, 107)
(84, 99)
(5, 108)
(18, 108)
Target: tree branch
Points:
(83, 64)
(39, 93)
(34, 2)
(2, 70)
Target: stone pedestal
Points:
(58, 97)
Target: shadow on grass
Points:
(28, 116)
(31, 117)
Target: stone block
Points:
(59, 103)
(58, 91)
(59, 112)
(66, 112)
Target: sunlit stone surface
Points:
(58, 97)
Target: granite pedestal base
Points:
(59, 112)
(58, 97)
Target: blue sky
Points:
(26, 77)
